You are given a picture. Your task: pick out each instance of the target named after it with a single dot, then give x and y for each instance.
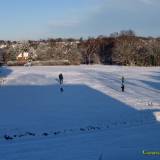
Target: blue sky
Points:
(35, 19)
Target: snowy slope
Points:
(91, 119)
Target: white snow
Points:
(91, 120)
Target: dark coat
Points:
(61, 76)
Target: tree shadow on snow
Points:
(154, 85)
(156, 75)
(5, 71)
(107, 79)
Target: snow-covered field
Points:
(91, 120)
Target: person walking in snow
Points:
(122, 86)
(60, 78)
(61, 82)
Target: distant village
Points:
(124, 48)
(22, 52)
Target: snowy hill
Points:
(92, 119)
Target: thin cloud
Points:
(146, 1)
(63, 23)
(149, 2)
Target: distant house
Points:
(23, 56)
(14, 45)
(3, 46)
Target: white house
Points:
(3, 46)
(24, 56)
(14, 45)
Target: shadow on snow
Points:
(45, 107)
(5, 71)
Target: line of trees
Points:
(124, 48)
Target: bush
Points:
(50, 63)
(16, 63)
